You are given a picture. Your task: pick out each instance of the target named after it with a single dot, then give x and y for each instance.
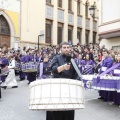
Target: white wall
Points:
(110, 42)
(111, 10)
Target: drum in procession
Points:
(29, 67)
(18, 66)
(4, 71)
(56, 94)
(107, 83)
(87, 80)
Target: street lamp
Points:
(92, 11)
(39, 39)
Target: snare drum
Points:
(29, 67)
(17, 66)
(87, 79)
(56, 94)
(107, 82)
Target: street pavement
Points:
(14, 106)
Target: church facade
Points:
(27, 22)
(9, 23)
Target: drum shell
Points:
(17, 66)
(29, 67)
(56, 94)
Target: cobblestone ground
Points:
(14, 106)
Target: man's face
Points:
(65, 49)
(105, 54)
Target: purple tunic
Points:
(4, 62)
(88, 65)
(22, 74)
(80, 64)
(106, 63)
(114, 96)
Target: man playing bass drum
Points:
(61, 69)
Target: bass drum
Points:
(56, 94)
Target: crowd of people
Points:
(90, 59)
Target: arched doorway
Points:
(4, 33)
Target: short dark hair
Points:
(105, 50)
(63, 43)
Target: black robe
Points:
(70, 74)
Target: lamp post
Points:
(39, 39)
(92, 11)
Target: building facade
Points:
(53, 21)
(109, 29)
(9, 23)
(24, 22)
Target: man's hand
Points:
(66, 66)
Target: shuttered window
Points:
(94, 37)
(86, 10)
(48, 1)
(59, 35)
(60, 3)
(70, 5)
(70, 32)
(48, 33)
(79, 34)
(78, 7)
(87, 36)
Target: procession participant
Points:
(3, 64)
(31, 76)
(45, 69)
(80, 62)
(105, 64)
(114, 96)
(10, 80)
(88, 65)
(22, 60)
(61, 69)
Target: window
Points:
(60, 3)
(86, 9)
(70, 5)
(94, 37)
(78, 7)
(4, 27)
(79, 33)
(59, 35)
(48, 1)
(87, 36)
(70, 34)
(95, 9)
(48, 33)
